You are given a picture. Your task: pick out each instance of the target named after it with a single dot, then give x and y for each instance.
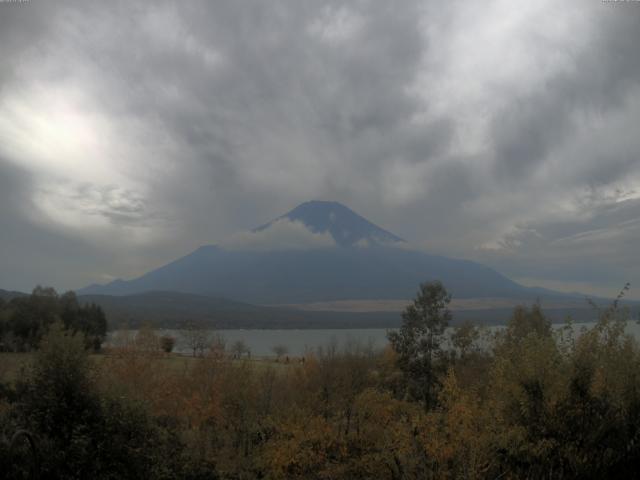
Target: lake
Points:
(298, 342)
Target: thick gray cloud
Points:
(282, 234)
(506, 132)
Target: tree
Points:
(418, 342)
(93, 323)
(239, 348)
(218, 345)
(147, 340)
(279, 350)
(167, 343)
(3, 324)
(28, 318)
(31, 316)
(88, 319)
(463, 338)
(197, 339)
(524, 322)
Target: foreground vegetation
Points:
(531, 403)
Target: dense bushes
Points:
(82, 431)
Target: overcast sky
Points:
(502, 131)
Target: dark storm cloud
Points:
(496, 132)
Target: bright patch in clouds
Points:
(83, 166)
(53, 131)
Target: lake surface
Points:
(299, 342)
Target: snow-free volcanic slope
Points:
(345, 226)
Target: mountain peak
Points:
(345, 226)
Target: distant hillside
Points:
(8, 295)
(172, 309)
(164, 309)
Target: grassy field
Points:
(12, 365)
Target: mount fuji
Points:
(346, 227)
(337, 255)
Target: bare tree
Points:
(195, 337)
(147, 340)
(217, 346)
(280, 350)
(239, 348)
